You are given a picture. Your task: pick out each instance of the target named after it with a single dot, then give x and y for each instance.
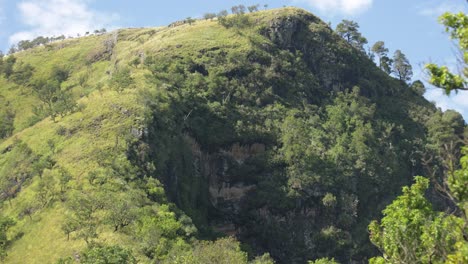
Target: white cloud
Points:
(347, 7)
(57, 17)
(456, 101)
(437, 8)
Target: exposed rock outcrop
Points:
(226, 189)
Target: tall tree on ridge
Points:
(349, 30)
(401, 66)
(385, 63)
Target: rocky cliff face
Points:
(335, 64)
(282, 30)
(227, 187)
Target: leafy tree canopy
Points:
(441, 76)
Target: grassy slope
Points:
(105, 113)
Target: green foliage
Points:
(18, 170)
(38, 41)
(5, 224)
(457, 184)
(324, 261)
(445, 137)
(412, 231)
(441, 76)
(64, 178)
(209, 16)
(121, 79)
(253, 8)
(82, 217)
(7, 118)
(121, 212)
(385, 63)
(56, 101)
(239, 21)
(238, 10)
(222, 251)
(83, 78)
(7, 65)
(189, 20)
(418, 87)
(445, 128)
(349, 30)
(401, 66)
(160, 231)
(341, 144)
(263, 259)
(97, 254)
(46, 189)
(222, 14)
(329, 200)
(135, 62)
(60, 74)
(22, 74)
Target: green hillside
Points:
(160, 143)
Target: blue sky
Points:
(407, 25)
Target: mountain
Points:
(145, 144)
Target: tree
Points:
(349, 30)
(22, 74)
(8, 64)
(263, 259)
(189, 20)
(253, 8)
(238, 20)
(55, 100)
(2, 57)
(5, 224)
(225, 250)
(7, 118)
(121, 212)
(12, 50)
(60, 74)
(24, 45)
(41, 163)
(418, 87)
(46, 91)
(209, 16)
(45, 189)
(324, 261)
(401, 66)
(441, 76)
(98, 254)
(385, 63)
(412, 232)
(221, 251)
(28, 209)
(238, 10)
(82, 215)
(222, 14)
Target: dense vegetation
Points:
(153, 145)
